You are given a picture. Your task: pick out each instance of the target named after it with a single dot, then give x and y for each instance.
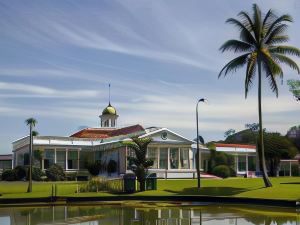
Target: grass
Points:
(287, 188)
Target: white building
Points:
(171, 153)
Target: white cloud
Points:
(41, 91)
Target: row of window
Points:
(164, 158)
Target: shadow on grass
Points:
(212, 191)
(291, 183)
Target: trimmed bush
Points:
(20, 172)
(9, 175)
(37, 174)
(221, 171)
(112, 166)
(93, 167)
(55, 173)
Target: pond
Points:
(136, 213)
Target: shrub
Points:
(37, 174)
(20, 172)
(94, 185)
(9, 175)
(221, 171)
(93, 167)
(55, 173)
(112, 166)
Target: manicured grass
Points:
(287, 188)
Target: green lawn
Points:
(284, 188)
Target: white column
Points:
(158, 156)
(247, 164)
(66, 160)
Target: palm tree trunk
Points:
(260, 149)
(30, 161)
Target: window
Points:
(61, 158)
(106, 123)
(26, 159)
(49, 158)
(184, 158)
(6, 164)
(130, 155)
(152, 155)
(241, 163)
(174, 162)
(251, 163)
(98, 155)
(113, 123)
(163, 158)
(72, 159)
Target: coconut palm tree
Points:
(260, 47)
(31, 122)
(139, 164)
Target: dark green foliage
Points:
(93, 167)
(294, 86)
(37, 174)
(20, 172)
(139, 164)
(9, 175)
(112, 166)
(229, 132)
(55, 173)
(221, 171)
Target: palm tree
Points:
(31, 122)
(139, 164)
(260, 44)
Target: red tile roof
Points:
(6, 157)
(102, 133)
(234, 145)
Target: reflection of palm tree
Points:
(259, 39)
(31, 122)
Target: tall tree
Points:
(294, 88)
(260, 47)
(139, 164)
(31, 122)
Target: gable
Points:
(165, 135)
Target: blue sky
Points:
(57, 58)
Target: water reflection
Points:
(148, 215)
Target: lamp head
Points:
(203, 100)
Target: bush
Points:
(94, 185)
(20, 172)
(55, 173)
(221, 171)
(37, 174)
(93, 167)
(112, 166)
(9, 175)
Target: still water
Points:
(149, 214)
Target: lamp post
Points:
(198, 151)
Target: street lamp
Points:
(198, 151)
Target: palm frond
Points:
(286, 60)
(236, 46)
(277, 31)
(271, 76)
(278, 21)
(31, 121)
(269, 18)
(246, 20)
(278, 40)
(234, 64)
(245, 34)
(250, 72)
(257, 22)
(283, 49)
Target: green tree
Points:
(229, 132)
(295, 88)
(31, 122)
(259, 43)
(139, 164)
